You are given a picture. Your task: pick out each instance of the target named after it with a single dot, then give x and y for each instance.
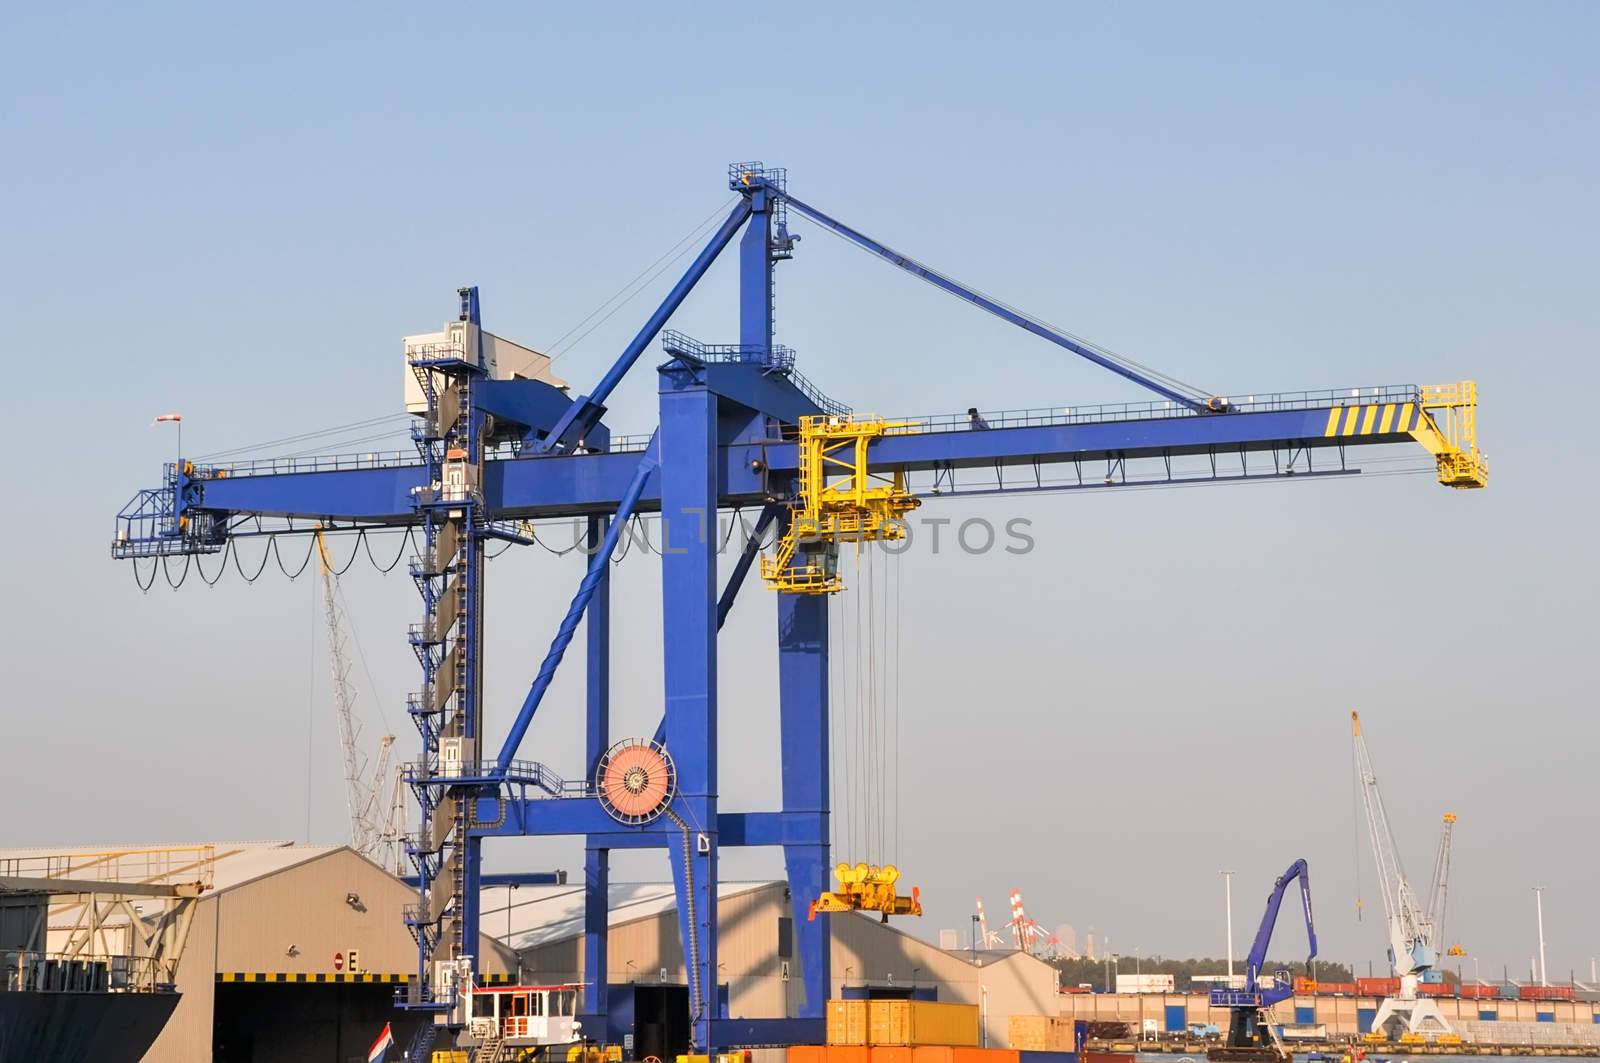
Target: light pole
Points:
(1538, 900)
(1227, 887)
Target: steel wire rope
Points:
(1123, 360)
(361, 653)
(898, 614)
(671, 255)
(322, 449)
(301, 436)
(833, 721)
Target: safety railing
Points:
(518, 772)
(775, 357)
(24, 971)
(435, 353)
(1044, 416)
(184, 865)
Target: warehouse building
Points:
(293, 956)
(759, 971)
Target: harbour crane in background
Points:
(1250, 1031)
(739, 426)
(1412, 952)
(1439, 892)
(375, 800)
(1026, 933)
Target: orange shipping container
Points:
(808, 1054)
(948, 1054)
(891, 1053)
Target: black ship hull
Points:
(81, 1027)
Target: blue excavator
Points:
(1250, 1035)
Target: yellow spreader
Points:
(868, 888)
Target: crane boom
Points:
(1247, 1026)
(377, 820)
(1410, 934)
(1411, 928)
(1439, 891)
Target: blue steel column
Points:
(597, 861)
(803, 721)
(755, 275)
(689, 608)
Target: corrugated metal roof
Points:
(236, 862)
(542, 914)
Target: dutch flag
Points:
(381, 1046)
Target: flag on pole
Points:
(167, 417)
(381, 1046)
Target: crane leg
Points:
(803, 716)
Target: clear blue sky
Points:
(237, 212)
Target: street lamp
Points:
(1227, 886)
(1538, 899)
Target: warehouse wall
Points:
(248, 929)
(1338, 1013)
(864, 950)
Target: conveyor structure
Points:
(739, 427)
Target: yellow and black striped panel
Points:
(330, 978)
(1372, 419)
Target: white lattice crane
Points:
(1411, 928)
(375, 801)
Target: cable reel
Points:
(635, 781)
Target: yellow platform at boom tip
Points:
(1445, 422)
(838, 501)
(868, 888)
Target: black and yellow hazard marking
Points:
(1374, 418)
(329, 978)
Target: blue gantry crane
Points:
(739, 427)
(1249, 1025)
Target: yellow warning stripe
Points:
(326, 977)
(1384, 418)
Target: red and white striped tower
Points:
(983, 925)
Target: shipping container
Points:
(890, 1053)
(1480, 992)
(1546, 992)
(847, 1022)
(1146, 983)
(1378, 987)
(1337, 989)
(950, 1054)
(1435, 989)
(921, 1022)
(1041, 1033)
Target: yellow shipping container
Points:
(1040, 1033)
(847, 1022)
(922, 1022)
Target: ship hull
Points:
(81, 1027)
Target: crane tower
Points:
(1412, 929)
